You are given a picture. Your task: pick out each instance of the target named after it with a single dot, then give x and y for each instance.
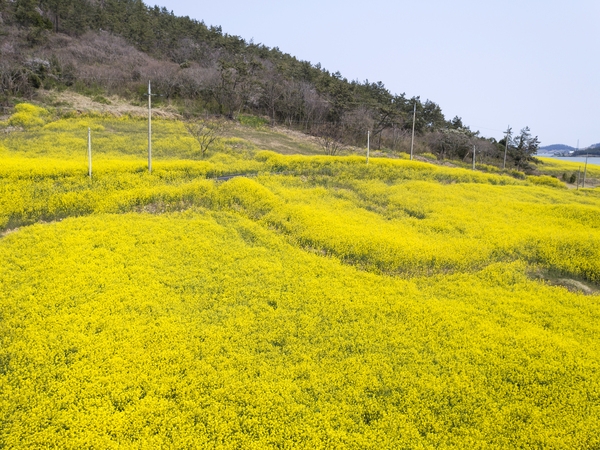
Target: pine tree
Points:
(26, 13)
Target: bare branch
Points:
(329, 137)
(205, 131)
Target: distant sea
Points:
(576, 159)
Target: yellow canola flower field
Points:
(203, 329)
(556, 167)
(321, 304)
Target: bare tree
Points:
(196, 80)
(329, 137)
(488, 151)
(315, 107)
(450, 143)
(237, 86)
(356, 123)
(165, 78)
(396, 135)
(205, 131)
(14, 80)
(272, 91)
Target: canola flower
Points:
(322, 304)
(557, 168)
(204, 329)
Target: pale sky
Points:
(494, 63)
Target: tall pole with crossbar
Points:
(149, 127)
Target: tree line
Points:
(115, 46)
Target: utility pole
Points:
(368, 144)
(90, 152)
(578, 177)
(473, 157)
(149, 127)
(412, 142)
(506, 147)
(585, 169)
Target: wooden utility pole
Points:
(149, 127)
(368, 144)
(412, 142)
(585, 170)
(506, 147)
(473, 157)
(578, 177)
(90, 153)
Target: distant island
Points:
(566, 150)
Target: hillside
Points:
(317, 302)
(103, 49)
(589, 151)
(566, 148)
(554, 147)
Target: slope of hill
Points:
(566, 148)
(112, 48)
(557, 147)
(117, 46)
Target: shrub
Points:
(546, 180)
(28, 116)
(252, 121)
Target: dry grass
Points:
(68, 101)
(278, 139)
(285, 141)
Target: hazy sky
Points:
(494, 63)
